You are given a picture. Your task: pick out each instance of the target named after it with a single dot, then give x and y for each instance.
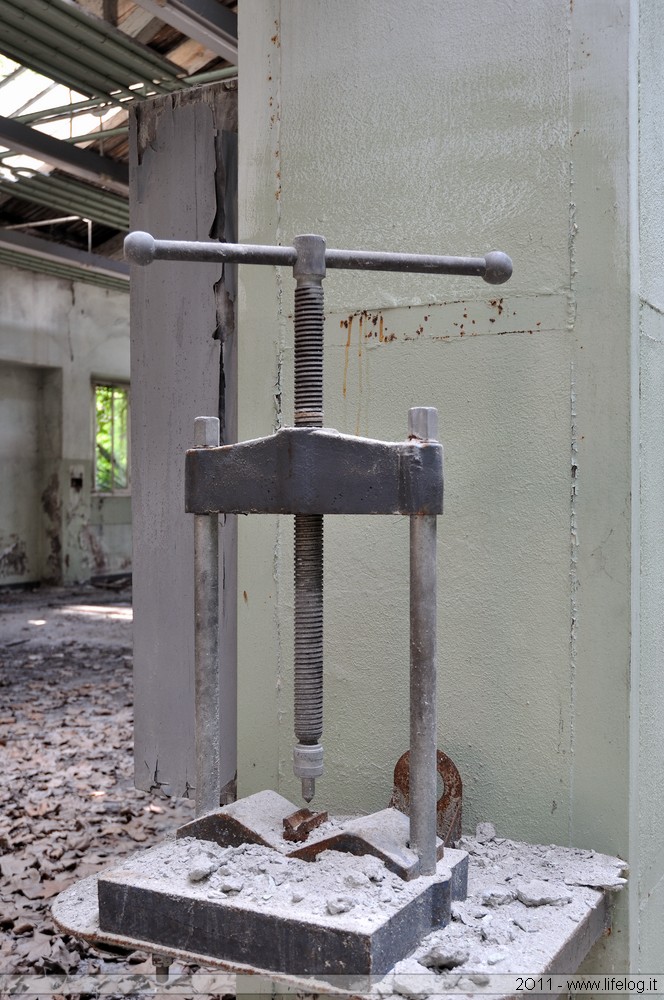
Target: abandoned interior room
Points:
(277, 716)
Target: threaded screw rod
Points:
(309, 271)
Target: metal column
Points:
(423, 424)
(206, 639)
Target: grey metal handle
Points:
(142, 248)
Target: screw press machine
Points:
(309, 471)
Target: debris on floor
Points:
(68, 806)
(527, 906)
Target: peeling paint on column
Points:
(91, 544)
(13, 557)
(52, 507)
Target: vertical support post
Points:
(423, 424)
(206, 639)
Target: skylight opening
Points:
(24, 92)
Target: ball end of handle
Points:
(139, 248)
(498, 267)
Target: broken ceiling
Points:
(69, 73)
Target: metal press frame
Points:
(310, 471)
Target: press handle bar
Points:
(142, 248)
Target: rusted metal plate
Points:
(316, 471)
(256, 819)
(449, 805)
(299, 825)
(384, 834)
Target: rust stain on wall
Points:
(363, 316)
(348, 323)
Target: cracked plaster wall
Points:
(456, 129)
(55, 336)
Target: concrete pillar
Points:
(183, 183)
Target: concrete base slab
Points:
(538, 936)
(339, 915)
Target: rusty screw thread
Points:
(308, 625)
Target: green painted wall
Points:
(457, 128)
(647, 806)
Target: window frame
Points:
(113, 384)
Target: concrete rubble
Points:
(523, 901)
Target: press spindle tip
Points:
(308, 789)
(139, 248)
(498, 267)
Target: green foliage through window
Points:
(111, 438)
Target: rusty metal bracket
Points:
(315, 471)
(299, 825)
(448, 806)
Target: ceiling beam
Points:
(79, 162)
(58, 253)
(207, 21)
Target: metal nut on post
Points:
(310, 262)
(307, 760)
(423, 423)
(307, 766)
(206, 432)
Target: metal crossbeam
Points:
(207, 22)
(315, 471)
(79, 162)
(57, 253)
